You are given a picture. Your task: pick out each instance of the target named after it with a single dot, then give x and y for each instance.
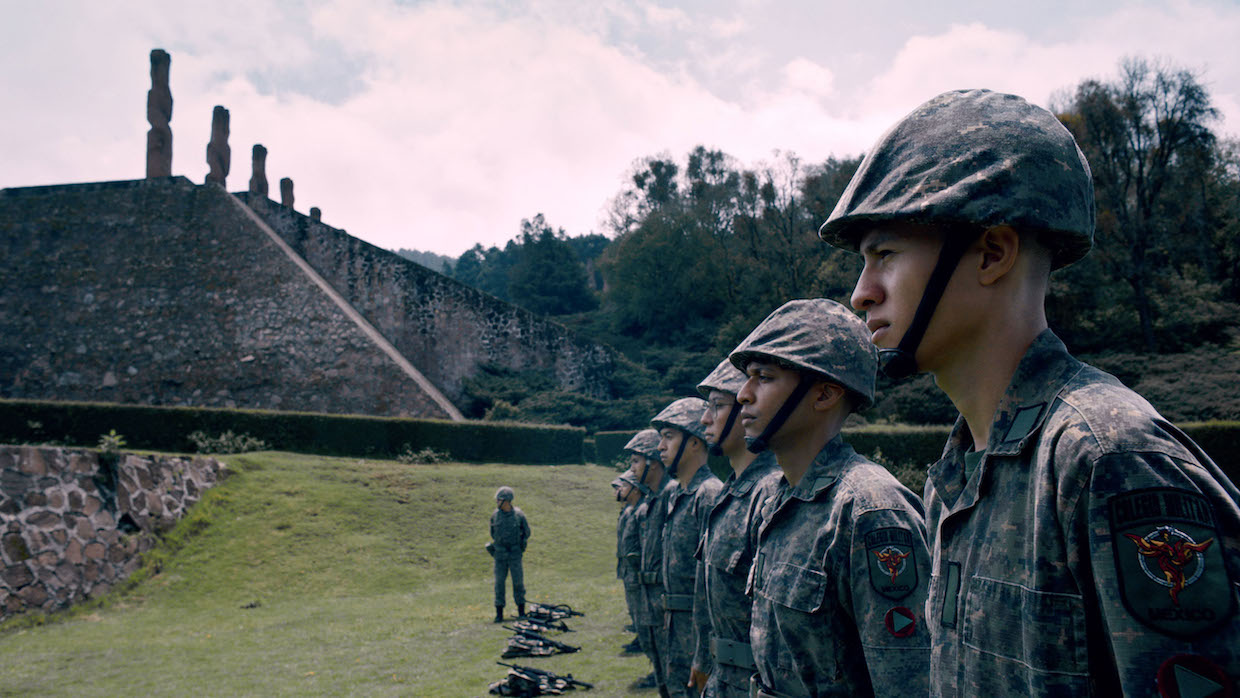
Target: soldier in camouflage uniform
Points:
(626, 534)
(682, 443)
(723, 661)
(1082, 544)
(650, 514)
(509, 534)
(839, 580)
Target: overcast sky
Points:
(437, 125)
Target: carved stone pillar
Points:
(159, 115)
(258, 170)
(315, 214)
(219, 154)
(286, 192)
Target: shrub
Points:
(424, 456)
(227, 442)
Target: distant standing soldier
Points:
(509, 534)
(1082, 545)
(626, 538)
(682, 443)
(723, 661)
(841, 573)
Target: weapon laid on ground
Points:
(550, 612)
(539, 626)
(527, 643)
(528, 681)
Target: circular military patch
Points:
(900, 622)
(1192, 676)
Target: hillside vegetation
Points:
(303, 575)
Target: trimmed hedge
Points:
(609, 445)
(168, 429)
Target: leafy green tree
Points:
(547, 276)
(1148, 142)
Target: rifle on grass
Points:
(528, 643)
(550, 612)
(542, 677)
(539, 626)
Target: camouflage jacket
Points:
(629, 546)
(687, 508)
(1094, 551)
(724, 557)
(510, 532)
(839, 583)
(650, 572)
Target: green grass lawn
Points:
(364, 577)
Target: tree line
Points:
(698, 250)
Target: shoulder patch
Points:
(900, 621)
(892, 562)
(1192, 676)
(1169, 560)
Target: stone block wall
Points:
(162, 292)
(445, 328)
(72, 527)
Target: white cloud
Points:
(806, 76)
(438, 125)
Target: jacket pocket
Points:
(1044, 631)
(799, 588)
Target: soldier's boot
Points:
(520, 610)
(499, 614)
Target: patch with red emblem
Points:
(900, 622)
(1169, 561)
(892, 562)
(1193, 676)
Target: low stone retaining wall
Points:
(74, 523)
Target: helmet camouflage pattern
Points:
(644, 443)
(975, 158)
(504, 494)
(726, 378)
(816, 335)
(684, 414)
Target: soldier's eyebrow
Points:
(877, 240)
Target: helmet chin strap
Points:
(680, 451)
(716, 449)
(758, 444)
(900, 363)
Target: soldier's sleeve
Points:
(493, 515)
(1159, 534)
(525, 532)
(702, 659)
(890, 578)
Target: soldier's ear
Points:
(997, 248)
(826, 396)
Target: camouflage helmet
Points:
(816, 335)
(684, 414)
(644, 443)
(504, 494)
(726, 378)
(973, 158)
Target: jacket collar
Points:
(1041, 376)
(823, 472)
(702, 475)
(755, 471)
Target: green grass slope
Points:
(360, 578)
